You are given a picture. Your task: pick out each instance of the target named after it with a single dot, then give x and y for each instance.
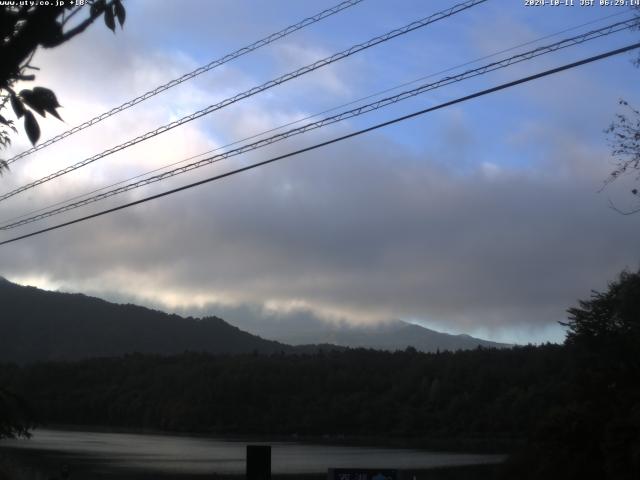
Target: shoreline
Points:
(471, 445)
(35, 463)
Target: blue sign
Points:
(364, 474)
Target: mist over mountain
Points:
(39, 325)
(302, 327)
(393, 335)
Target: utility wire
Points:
(248, 93)
(334, 140)
(308, 117)
(188, 76)
(576, 40)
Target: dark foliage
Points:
(609, 320)
(26, 26)
(16, 416)
(596, 434)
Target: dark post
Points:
(258, 462)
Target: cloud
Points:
(329, 80)
(460, 224)
(361, 231)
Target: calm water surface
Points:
(171, 453)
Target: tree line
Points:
(481, 393)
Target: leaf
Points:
(50, 34)
(17, 106)
(41, 100)
(47, 100)
(31, 127)
(8, 123)
(109, 20)
(97, 7)
(120, 12)
(32, 100)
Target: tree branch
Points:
(70, 16)
(622, 212)
(82, 26)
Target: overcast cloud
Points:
(455, 221)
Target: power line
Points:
(253, 91)
(314, 115)
(576, 40)
(5, 223)
(332, 141)
(188, 76)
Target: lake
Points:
(169, 454)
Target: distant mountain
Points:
(39, 325)
(303, 328)
(397, 335)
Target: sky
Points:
(486, 218)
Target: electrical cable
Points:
(308, 117)
(188, 76)
(253, 91)
(332, 141)
(576, 40)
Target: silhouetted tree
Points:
(26, 26)
(15, 415)
(624, 137)
(604, 333)
(611, 317)
(596, 432)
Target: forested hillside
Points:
(39, 325)
(469, 394)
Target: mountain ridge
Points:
(391, 335)
(41, 325)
